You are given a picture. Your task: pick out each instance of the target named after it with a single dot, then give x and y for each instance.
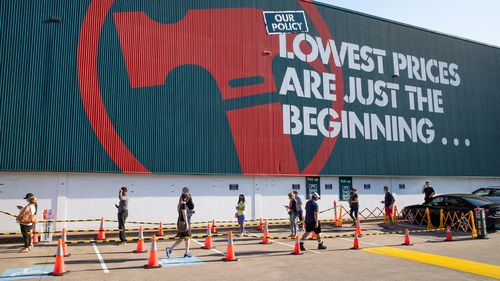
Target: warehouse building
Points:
(235, 97)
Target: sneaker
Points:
(187, 255)
(321, 246)
(302, 248)
(169, 252)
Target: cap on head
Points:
(28, 195)
(185, 189)
(315, 195)
(386, 188)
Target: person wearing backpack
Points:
(25, 219)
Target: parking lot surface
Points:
(380, 257)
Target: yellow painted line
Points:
(484, 269)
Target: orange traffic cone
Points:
(101, 235)
(140, 243)
(153, 257)
(160, 230)
(449, 237)
(230, 256)
(296, 250)
(64, 245)
(59, 267)
(358, 227)
(314, 236)
(265, 238)
(355, 246)
(407, 238)
(214, 230)
(34, 235)
(208, 239)
(261, 225)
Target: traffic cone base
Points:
(147, 266)
(137, 252)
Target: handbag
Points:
(25, 216)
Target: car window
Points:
(451, 201)
(482, 192)
(436, 201)
(496, 192)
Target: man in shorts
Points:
(389, 206)
(312, 222)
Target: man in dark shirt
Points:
(122, 212)
(389, 206)
(354, 204)
(189, 203)
(312, 222)
(428, 192)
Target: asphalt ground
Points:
(379, 258)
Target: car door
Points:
(435, 206)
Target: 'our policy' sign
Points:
(285, 22)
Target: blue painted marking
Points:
(180, 261)
(25, 273)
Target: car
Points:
(455, 203)
(490, 192)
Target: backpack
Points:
(25, 216)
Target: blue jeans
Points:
(293, 223)
(241, 222)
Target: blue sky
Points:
(475, 20)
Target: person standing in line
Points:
(26, 216)
(122, 212)
(183, 227)
(293, 213)
(428, 192)
(240, 212)
(299, 209)
(354, 204)
(189, 203)
(312, 222)
(389, 206)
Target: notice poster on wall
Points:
(312, 185)
(345, 186)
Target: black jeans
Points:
(354, 210)
(122, 216)
(26, 237)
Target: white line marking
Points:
(217, 251)
(291, 246)
(101, 260)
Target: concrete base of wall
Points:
(155, 197)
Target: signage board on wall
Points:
(345, 186)
(312, 185)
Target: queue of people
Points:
(185, 209)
